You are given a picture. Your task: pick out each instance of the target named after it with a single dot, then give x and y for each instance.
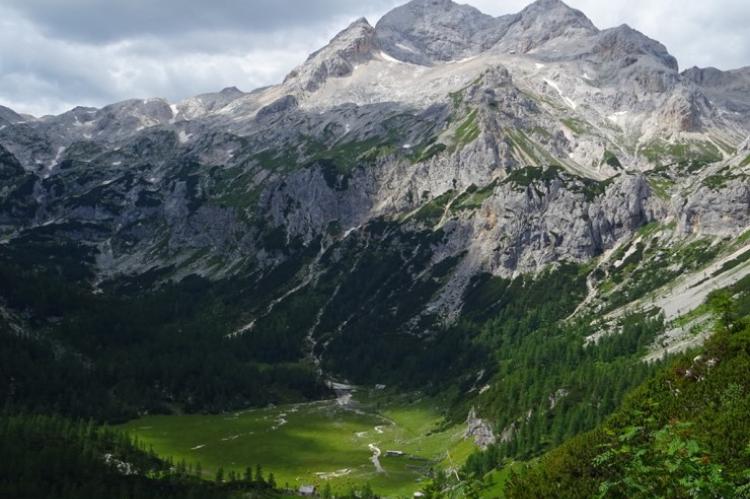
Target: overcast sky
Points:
(57, 54)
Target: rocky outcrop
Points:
(479, 430)
(433, 31)
(354, 45)
(715, 210)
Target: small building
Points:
(307, 490)
(418, 494)
(394, 453)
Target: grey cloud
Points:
(56, 54)
(107, 21)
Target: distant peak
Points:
(548, 4)
(441, 4)
(362, 21)
(350, 46)
(615, 43)
(230, 91)
(428, 31)
(360, 25)
(559, 12)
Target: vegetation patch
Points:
(432, 212)
(611, 159)
(473, 198)
(575, 125)
(325, 444)
(685, 432)
(468, 131)
(690, 156)
(542, 177)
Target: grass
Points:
(719, 181)
(474, 197)
(432, 212)
(537, 176)
(468, 131)
(575, 125)
(661, 186)
(320, 437)
(692, 155)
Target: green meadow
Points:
(316, 443)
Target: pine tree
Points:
(220, 475)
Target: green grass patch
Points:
(468, 131)
(661, 186)
(575, 125)
(315, 443)
(691, 156)
(532, 176)
(473, 197)
(432, 212)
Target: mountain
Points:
(444, 188)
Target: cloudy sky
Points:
(58, 54)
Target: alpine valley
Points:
(451, 254)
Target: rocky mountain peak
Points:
(231, 91)
(549, 9)
(353, 45)
(429, 31)
(9, 115)
(542, 22)
(623, 43)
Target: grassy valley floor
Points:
(329, 442)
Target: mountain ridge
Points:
(383, 209)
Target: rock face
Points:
(433, 31)
(354, 45)
(458, 143)
(479, 430)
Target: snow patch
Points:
(389, 58)
(183, 136)
(617, 115)
(567, 100)
(404, 47)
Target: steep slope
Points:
(682, 433)
(367, 215)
